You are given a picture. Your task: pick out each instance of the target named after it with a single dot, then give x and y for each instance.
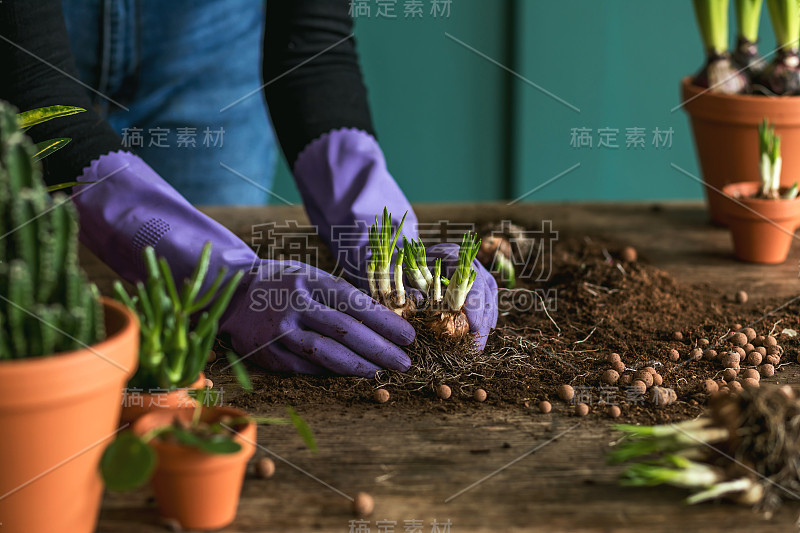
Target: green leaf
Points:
(302, 429)
(219, 444)
(186, 437)
(45, 148)
(28, 119)
(240, 372)
(127, 463)
(67, 185)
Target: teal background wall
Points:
(456, 127)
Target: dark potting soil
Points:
(596, 304)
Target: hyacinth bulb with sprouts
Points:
(441, 307)
(719, 74)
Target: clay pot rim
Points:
(696, 91)
(108, 304)
(62, 375)
(245, 436)
(196, 384)
(759, 204)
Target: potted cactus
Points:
(177, 333)
(762, 215)
(65, 353)
(731, 95)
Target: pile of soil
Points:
(602, 305)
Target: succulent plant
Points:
(177, 331)
(47, 304)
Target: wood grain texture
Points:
(413, 463)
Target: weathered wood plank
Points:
(412, 462)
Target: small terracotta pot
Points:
(199, 490)
(138, 403)
(762, 230)
(725, 129)
(57, 414)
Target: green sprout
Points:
(769, 160)
(382, 246)
(464, 276)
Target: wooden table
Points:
(486, 469)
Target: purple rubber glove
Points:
(300, 319)
(344, 182)
(328, 325)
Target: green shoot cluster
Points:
(172, 352)
(412, 260)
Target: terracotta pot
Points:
(199, 490)
(762, 230)
(725, 129)
(57, 414)
(137, 403)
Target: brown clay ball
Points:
(741, 297)
(363, 504)
(748, 348)
(696, 354)
(639, 387)
(674, 355)
(265, 468)
(650, 369)
(610, 376)
(710, 386)
(754, 358)
(629, 254)
(613, 411)
(657, 380)
(659, 396)
(581, 409)
(619, 367)
(737, 327)
(566, 392)
(479, 395)
(381, 395)
(613, 358)
(703, 342)
(662, 396)
(710, 355)
(677, 335)
(208, 384)
(740, 351)
(730, 360)
(774, 360)
(750, 333)
(750, 383)
(738, 339)
(774, 350)
(545, 407)
(729, 375)
(444, 391)
(673, 396)
(758, 341)
(767, 370)
(751, 373)
(769, 340)
(626, 379)
(735, 386)
(645, 377)
(761, 350)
